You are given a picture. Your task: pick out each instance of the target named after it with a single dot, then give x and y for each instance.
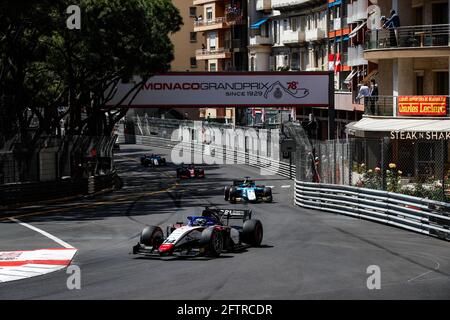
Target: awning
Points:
(355, 31)
(399, 124)
(335, 3)
(350, 76)
(258, 24)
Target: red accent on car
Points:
(165, 247)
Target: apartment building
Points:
(413, 70)
(186, 43)
(222, 25)
(305, 35)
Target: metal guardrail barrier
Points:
(411, 213)
(32, 192)
(228, 155)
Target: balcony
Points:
(260, 40)
(282, 4)
(356, 56)
(217, 23)
(207, 54)
(262, 5)
(357, 11)
(408, 42)
(202, 2)
(315, 34)
(293, 37)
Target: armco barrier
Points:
(411, 213)
(228, 155)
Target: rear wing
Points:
(232, 214)
(239, 182)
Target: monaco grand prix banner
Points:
(276, 89)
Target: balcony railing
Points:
(279, 4)
(263, 5)
(381, 106)
(260, 40)
(409, 37)
(209, 52)
(356, 56)
(357, 11)
(315, 34)
(292, 37)
(386, 106)
(230, 19)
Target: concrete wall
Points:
(184, 49)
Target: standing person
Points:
(393, 23)
(373, 93)
(364, 92)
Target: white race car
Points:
(205, 235)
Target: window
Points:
(275, 31)
(213, 67)
(441, 86)
(212, 41)
(193, 62)
(193, 36)
(193, 11)
(252, 64)
(209, 14)
(294, 24)
(418, 16)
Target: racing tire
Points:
(233, 195)
(268, 194)
(212, 241)
(226, 192)
(252, 232)
(152, 236)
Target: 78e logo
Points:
(293, 85)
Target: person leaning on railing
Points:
(393, 23)
(373, 94)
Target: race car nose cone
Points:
(165, 248)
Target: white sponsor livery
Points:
(251, 195)
(184, 234)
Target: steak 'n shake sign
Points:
(420, 135)
(252, 89)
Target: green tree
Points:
(44, 65)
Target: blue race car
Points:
(247, 190)
(153, 160)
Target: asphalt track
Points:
(305, 254)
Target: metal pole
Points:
(331, 109)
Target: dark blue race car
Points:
(247, 190)
(153, 160)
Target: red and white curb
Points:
(17, 265)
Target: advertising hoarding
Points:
(422, 106)
(252, 89)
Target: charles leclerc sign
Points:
(278, 89)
